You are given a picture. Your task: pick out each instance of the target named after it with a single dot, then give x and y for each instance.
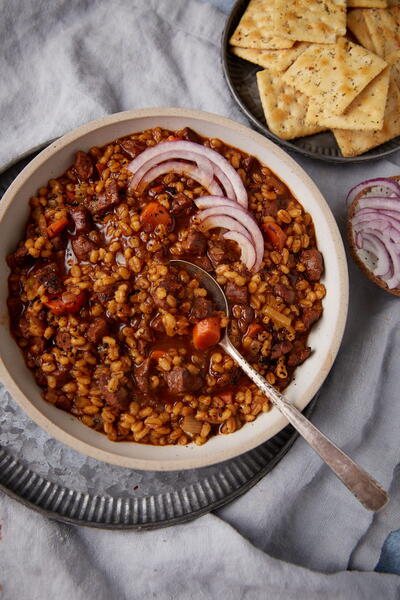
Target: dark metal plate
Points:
(240, 76)
(63, 484)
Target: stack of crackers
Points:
(328, 64)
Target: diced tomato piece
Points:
(155, 214)
(156, 190)
(100, 167)
(275, 235)
(254, 329)
(70, 304)
(174, 138)
(54, 228)
(206, 333)
(156, 354)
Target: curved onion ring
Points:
(248, 253)
(379, 203)
(203, 163)
(173, 166)
(390, 184)
(215, 202)
(377, 248)
(222, 168)
(244, 218)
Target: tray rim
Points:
(233, 16)
(179, 519)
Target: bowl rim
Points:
(332, 349)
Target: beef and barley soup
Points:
(127, 342)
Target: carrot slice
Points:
(54, 228)
(275, 235)
(155, 214)
(156, 354)
(206, 333)
(254, 329)
(59, 307)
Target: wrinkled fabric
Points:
(298, 533)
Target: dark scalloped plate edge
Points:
(239, 75)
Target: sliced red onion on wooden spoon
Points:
(390, 185)
(374, 231)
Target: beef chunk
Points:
(81, 219)
(83, 165)
(63, 341)
(132, 147)
(19, 258)
(31, 325)
(170, 284)
(181, 205)
(236, 294)
(270, 207)
(201, 309)
(195, 243)
(120, 398)
(190, 135)
(59, 399)
(221, 251)
(62, 375)
(287, 294)
(280, 349)
(202, 261)
(298, 354)
(97, 330)
(106, 199)
(180, 381)
(142, 376)
(217, 252)
(313, 262)
(310, 315)
(48, 276)
(244, 315)
(82, 246)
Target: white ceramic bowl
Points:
(324, 339)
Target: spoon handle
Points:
(367, 491)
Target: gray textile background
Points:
(298, 531)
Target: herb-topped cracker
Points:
(256, 29)
(334, 74)
(365, 112)
(274, 60)
(311, 21)
(284, 107)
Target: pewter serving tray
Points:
(65, 485)
(241, 78)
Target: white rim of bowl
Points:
(226, 454)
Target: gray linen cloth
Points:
(298, 534)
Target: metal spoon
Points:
(367, 491)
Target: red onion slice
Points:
(376, 247)
(389, 184)
(222, 168)
(229, 223)
(379, 203)
(248, 253)
(173, 166)
(245, 219)
(202, 163)
(394, 279)
(215, 202)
